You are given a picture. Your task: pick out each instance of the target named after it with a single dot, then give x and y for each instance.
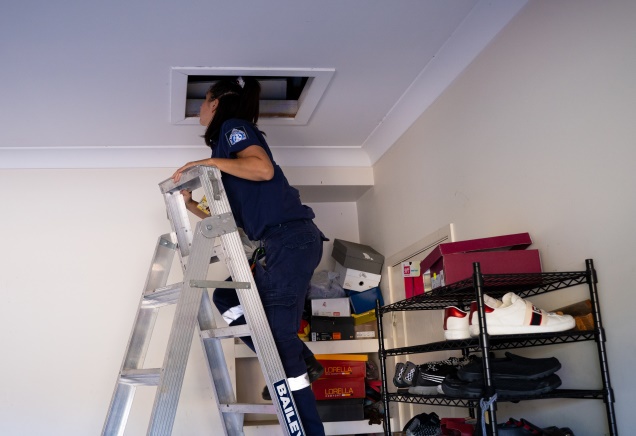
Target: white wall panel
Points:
(536, 135)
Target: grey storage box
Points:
(357, 256)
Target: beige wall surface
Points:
(77, 248)
(78, 245)
(536, 135)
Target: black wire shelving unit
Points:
(461, 294)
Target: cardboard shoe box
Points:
(367, 330)
(339, 388)
(356, 280)
(365, 301)
(341, 410)
(451, 262)
(332, 328)
(330, 307)
(364, 317)
(357, 256)
(343, 368)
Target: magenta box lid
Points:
(517, 241)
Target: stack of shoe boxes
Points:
(341, 390)
(331, 320)
(358, 269)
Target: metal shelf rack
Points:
(461, 294)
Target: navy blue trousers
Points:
(292, 252)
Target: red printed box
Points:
(338, 387)
(344, 368)
(413, 280)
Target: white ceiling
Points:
(87, 83)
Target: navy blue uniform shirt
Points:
(256, 205)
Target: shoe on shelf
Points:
(518, 316)
(405, 375)
(410, 374)
(398, 381)
(526, 428)
(512, 427)
(456, 323)
(489, 303)
(532, 428)
(424, 424)
(510, 367)
(432, 374)
(556, 431)
(505, 389)
(458, 426)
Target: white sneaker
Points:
(455, 323)
(517, 316)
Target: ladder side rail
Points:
(190, 180)
(180, 340)
(222, 388)
(121, 401)
(178, 217)
(177, 212)
(218, 368)
(240, 271)
(254, 312)
(157, 278)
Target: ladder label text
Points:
(287, 406)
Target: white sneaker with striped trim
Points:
(457, 321)
(518, 316)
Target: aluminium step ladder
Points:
(194, 308)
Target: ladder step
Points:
(213, 284)
(227, 332)
(268, 409)
(140, 377)
(170, 294)
(162, 296)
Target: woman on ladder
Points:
(268, 210)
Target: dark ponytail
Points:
(235, 101)
(250, 99)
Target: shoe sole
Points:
(496, 330)
(471, 377)
(423, 390)
(511, 368)
(454, 335)
(507, 389)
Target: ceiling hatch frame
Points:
(317, 81)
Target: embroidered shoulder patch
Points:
(236, 135)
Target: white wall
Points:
(77, 248)
(536, 135)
